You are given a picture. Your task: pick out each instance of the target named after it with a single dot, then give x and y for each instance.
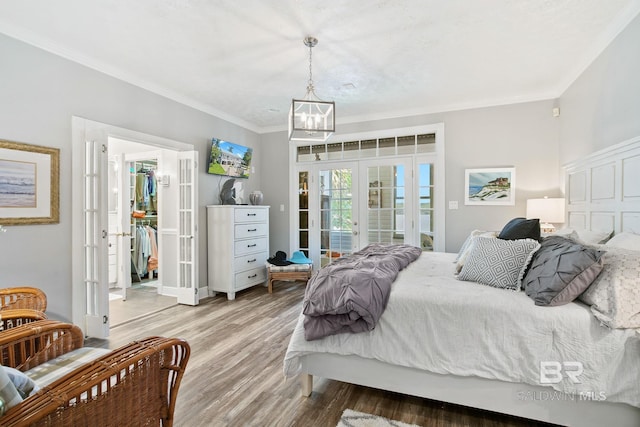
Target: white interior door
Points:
(187, 229)
(96, 238)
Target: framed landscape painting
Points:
(490, 186)
(29, 184)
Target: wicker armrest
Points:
(136, 384)
(29, 345)
(23, 297)
(12, 318)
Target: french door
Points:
(343, 206)
(90, 236)
(327, 220)
(387, 199)
(187, 228)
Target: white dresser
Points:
(238, 247)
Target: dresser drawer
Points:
(242, 231)
(243, 247)
(250, 261)
(250, 215)
(251, 277)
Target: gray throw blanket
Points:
(350, 294)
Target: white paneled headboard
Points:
(603, 190)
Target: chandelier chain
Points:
(310, 87)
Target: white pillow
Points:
(588, 237)
(614, 296)
(625, 240)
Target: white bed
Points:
(484, 338)
(479, 346)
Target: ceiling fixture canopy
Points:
(311, 119)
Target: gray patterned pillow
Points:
(560, 271)
(468, 244)
(498, 263)
(615, 294)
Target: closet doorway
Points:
(137, 210)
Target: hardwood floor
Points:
(141, 301)
(234, 376)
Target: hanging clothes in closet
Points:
(146, 251)
(146, 190)
(152, 262)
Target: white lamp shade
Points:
(548, 210)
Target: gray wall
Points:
(602, 107)
(39, 92)
(521, 135)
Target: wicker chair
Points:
(23, 297)
(136, 384)
(12, 318)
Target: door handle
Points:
(355, 233)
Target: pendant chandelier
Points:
(311, 119)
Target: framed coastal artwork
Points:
(490, 186)
(29, 184)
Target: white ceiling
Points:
(243, 60)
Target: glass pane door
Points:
(304, 220)
(388, 198)
(338, 221)
(426, 205)
(187, 231)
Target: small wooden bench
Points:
(293, 272)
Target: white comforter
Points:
(437, 323)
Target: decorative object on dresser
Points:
(256, 197)
(228, 193)
(238, 246)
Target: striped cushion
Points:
(50, 371)
(288, 268)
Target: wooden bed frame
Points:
(597, 199)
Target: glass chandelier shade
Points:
(311, 119)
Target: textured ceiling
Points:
(244, 60)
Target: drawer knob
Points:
(251, 246)
(251, 260)
(252, 229)
(252, 276)
(251, 214)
